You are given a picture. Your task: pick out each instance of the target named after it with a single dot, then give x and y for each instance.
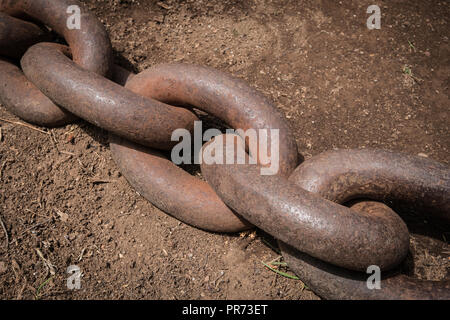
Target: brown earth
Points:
(339, 84)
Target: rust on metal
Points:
(17, 35)
(24, 100)
(90, 45)
(401, 179)
(17, 93)
(381, 175)
(121, 75)
(319, 227)
(225, 97)
(334, 283)
(170, 188)
(101, 101)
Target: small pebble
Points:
(3, 267)
(422, 155)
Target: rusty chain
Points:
(328, 245)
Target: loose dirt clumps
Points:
(339, 85)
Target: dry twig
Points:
(24, 125)
(6, 232)
(48, 264)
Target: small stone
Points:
(72, 236)
(159, 18)
(422, 155)
(3, 267)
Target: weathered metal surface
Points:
(342, 175)
(101, 101)
(332, 282)
(405, 180)
(173, 190)
(90, 45)
(17, 35)
(169, 187)
(319, 227)
(121, 75)
(18, 94)
(24, 100)
(225, 97)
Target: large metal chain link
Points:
(327, 244)
(328, 240)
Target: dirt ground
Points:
(339, 84)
